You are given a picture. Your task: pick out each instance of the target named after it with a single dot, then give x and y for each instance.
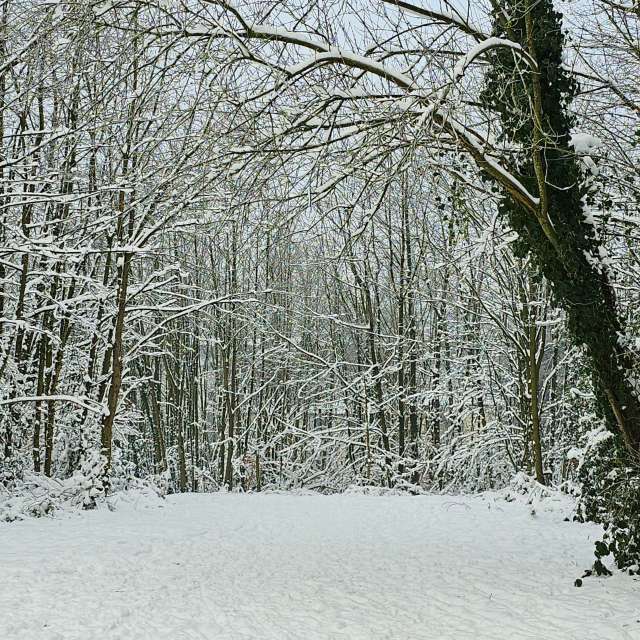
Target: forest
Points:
(325, 246)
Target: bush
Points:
(29, 494)
(611, 497)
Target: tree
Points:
(531, 157)
(541, 176)
(560, 236)
(257, 246)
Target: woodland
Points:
(285, 245)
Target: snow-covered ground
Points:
(304, 567)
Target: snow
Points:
(263, 566)
(596, 437)
(474, 140)
(327, 53)
(481, 48)
(335, 54)
(584, 143)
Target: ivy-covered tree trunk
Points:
(561, 238)
(533, 106)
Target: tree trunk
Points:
(564, 245)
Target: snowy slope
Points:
(252, 567)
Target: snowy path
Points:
(254, 567)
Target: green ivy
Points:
(579, 282)
(611, 497)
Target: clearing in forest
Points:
(309, 567)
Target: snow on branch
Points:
(325, 52)
(80, 402)
(350, 59)
(486, 45)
